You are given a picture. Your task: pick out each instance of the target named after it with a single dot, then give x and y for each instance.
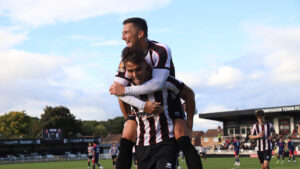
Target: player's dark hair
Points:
(140, 23)
(131, 54)
(259, 113)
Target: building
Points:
(108, 141)
(196, 137)
(211, 137)
(286, 120)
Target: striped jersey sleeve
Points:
(174, 85)
(160, 55)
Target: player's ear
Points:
(141, 34)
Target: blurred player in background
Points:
(114, 151)
(291, 149)
(202, 151)
(90, 154)
(96, 152)
(236, 145)
(281, 145)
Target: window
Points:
(231, 131)
(243, 130)
(284, 126)
(206, 139)
(216, 139)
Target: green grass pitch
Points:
(212, 163)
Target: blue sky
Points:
(233, 54)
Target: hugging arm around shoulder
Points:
(159, 77)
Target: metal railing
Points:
(47, 158)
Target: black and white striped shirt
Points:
(153, 129)
(263, 143)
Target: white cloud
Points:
(190, 78)
(224, 76)
(33, 107)
(89, 112)
(279, 47)
(9, 38)
(203, 124)
(15, 64)
(221, 76)
(41, 12)
(214, 108)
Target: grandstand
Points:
(286, 121)
(20, 150)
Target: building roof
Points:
(197, 134)
(112, 138)
(213, 132)
(249, 113)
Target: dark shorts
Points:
(264, 156)
(131, 117)
(134, 158)
(291, 152)
(236, 153)
(158, 156)
(280, 152)
(96, 159)
(113, 156)
(203, 155)
(175, 109)
(90, 157)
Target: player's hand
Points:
(153, 107)
(261, 134)
(117, 89)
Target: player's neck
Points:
(144, 45)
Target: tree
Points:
(60, 117)
(100, 131)
(94, 128)
(14, 124)
(115, 126)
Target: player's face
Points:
(261, 119)
(130, 35)
(138, 73)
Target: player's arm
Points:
(187, 94)
(159, 77)
(254, 135)
(122, 79)
(160, 73)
